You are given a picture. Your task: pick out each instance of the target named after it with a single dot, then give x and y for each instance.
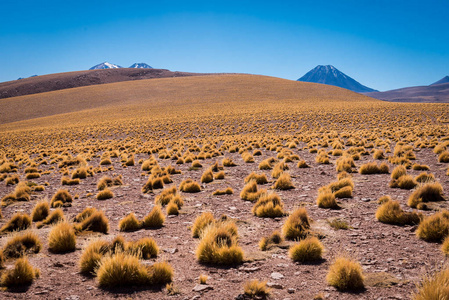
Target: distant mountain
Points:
(442, 80)
(434, 93)
(332, 76)
(141, 66)
(105, 65)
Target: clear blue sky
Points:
(384, 44)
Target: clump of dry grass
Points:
(201, 222)
(67, 181)
(61, 198)
(218, 245)
(338, 224)
(105, 194)
(92, 255)
(373, 168)
(434, 228)
(93, 220)
(250, 192)
(425, 177)
(189, 186)
(326, 199)
(12, 180)
(155, 219)
(284, 182)
(227, 191)
(435, 286)
(267, 164)
(227, 162)
(405, 182)
(169, 195)
(444, 157)
(220, 175)
(129, 223)
(21, 193)
(390, 212)
(419, 167)
(17, 222)
(145, 247)
(297, 225)
(345, 164)
(21, 275)
(107, 181)
(256, 289)
(54, 217)
(268, 206)
(40, 211)
(345, 274)
(428, 192)
(274, 239)
(21, 244)
(207, 176)
(307, 250)
(259, 178)
(302, 164)
(279, 169)
(121, 269)
(61, 238)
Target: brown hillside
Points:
(216, 94)
(60, 81)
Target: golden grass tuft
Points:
(307, 250)
(297, 225)
(67, 181)
(95, 222)
(326, 199)
(92, 255)
(345, 275)
(425, 177)
(266, 164)
(220, 175)
(155, 219)
(256, 289)
(61, 238)
(21, 275)
(207, 176)
(189, 186)
(284, 182)
(201, 222)
(21, 244)
(21, 193)
(428, 192)
(54, 217)
(373, 168)
(444, 157)
(390, 212)
(105, 194)
(40, 211)
(434, 286)
(268, 206)
(274, 239)
(61, 198)
(405, 182)
(17, 222)
(434, 228)
(129, 223)
(302, 164)
(398, 172)
(250, 192)
(227, 191)
(259, 178)
(145, 247)
(227, 162)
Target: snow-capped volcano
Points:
(105, 65)
(332, 76)
(141, 66)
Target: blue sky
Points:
(382, 44)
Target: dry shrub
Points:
(227, 162)
(54, 217)
(218, 245)
(419, 167)
(95, 222)
(61, 238)
(168, 195)
(326, 199)
(220, 175)
(434, 228)
(390, 212)
(250, 192)
(302, 164)
(444, 157)
(268, 206)
(259, 178)
(40, 211)
(67, 181)
(32, 175)
(279, 169)
(87, 212)
(345, 164)
(189, 186)
(21, 244)
(434, 286)
(107, 181)
(425, 177)
(307, 250)
(256, 289)
(227, 191)
(92, 255)
(428, 192)
(297, 225)
(284, 182)
(373, 168)
(274, 239)
(172, 209)
(129, 223)
(201, 222)
(398, 172)
(267, 164)
(61, 198)
(155, 219)
(105, 194)
(146, 248)
(12, 180)
(207, 176)
(21, 193)
(345, 274)
(338, 224)
(22, 274)
(378, 154)
(17, 222)
(405, 182)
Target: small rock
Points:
(291, 290)
(276, 275)
(249, 270)
(171, 250)
(202, 288)
(73, 297)
(195, 297)
(275, 285)
(41, 292)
